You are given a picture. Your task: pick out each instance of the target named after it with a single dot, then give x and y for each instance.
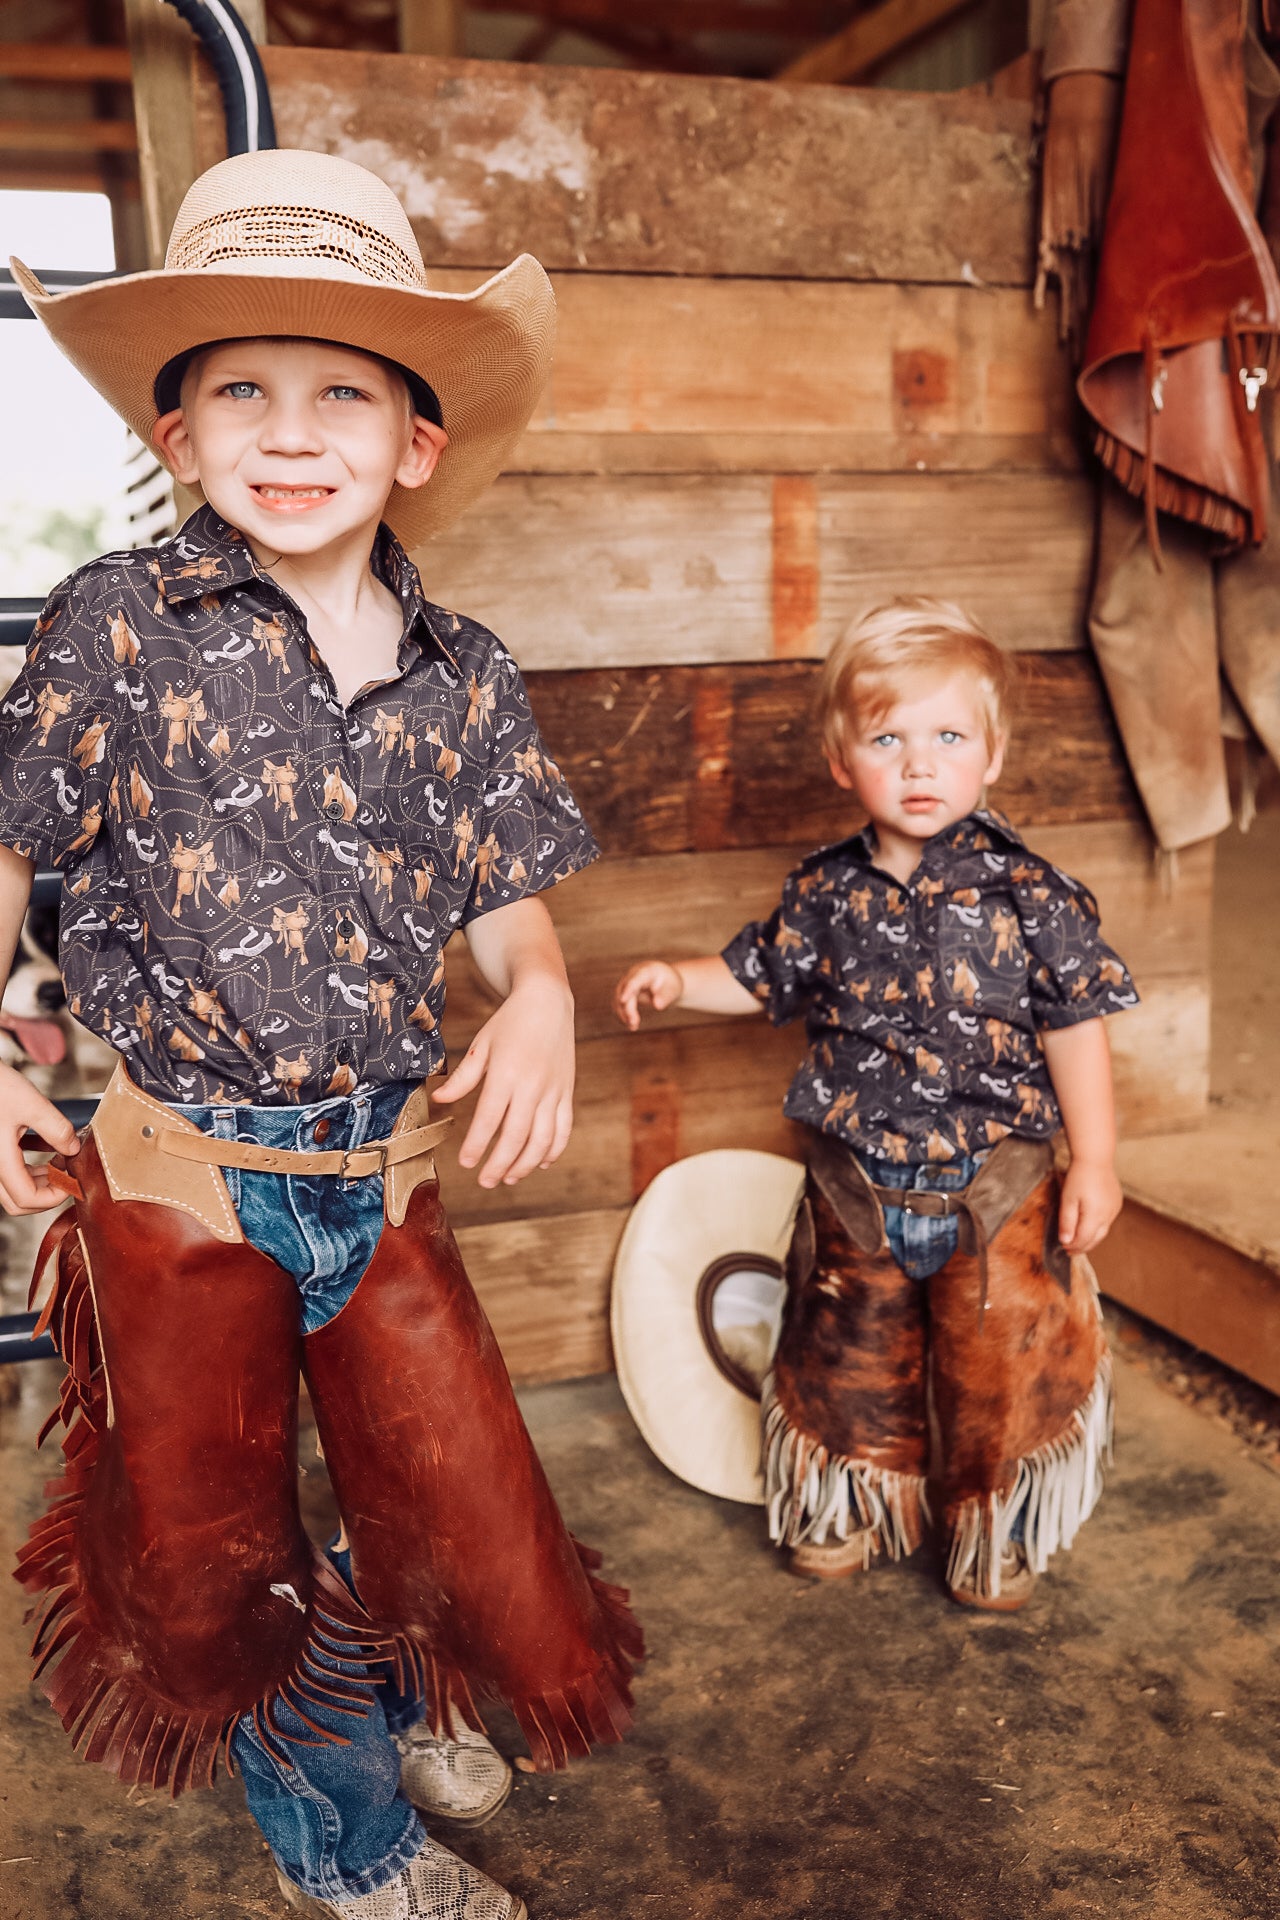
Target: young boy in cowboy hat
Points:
(281, 778)
(951, 984)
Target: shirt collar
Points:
(207, 555)
(962, 836)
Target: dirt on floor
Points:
(800, 1750)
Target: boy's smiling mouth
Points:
(290, 499)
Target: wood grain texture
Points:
(709, 374)
(544, 1283)
(613, 171)
(699, 759)
(1198, 1288)
(641, 570)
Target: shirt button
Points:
(346, 927)
(320, 1130)
(334, 809)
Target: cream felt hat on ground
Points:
(286, 242)
(696, 1298)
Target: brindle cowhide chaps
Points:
(179, 1587)
(1018, 1384)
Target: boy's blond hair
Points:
(896, 646)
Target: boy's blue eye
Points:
(949, 736)
(884, 740)
(346, 393)
(241, 389)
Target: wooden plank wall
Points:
(798, 370)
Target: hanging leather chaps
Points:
(1003, 1346)
(180, 1589)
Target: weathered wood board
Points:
(656, 374)
(578, 571)
(545, 1286)
(689, 759)
(611, 171)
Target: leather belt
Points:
(921, 1200)
(351, 1163)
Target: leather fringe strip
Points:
(1060, 1484)
(111, 1713)
(810, 1493)
(1162, 489)
(595, 1711)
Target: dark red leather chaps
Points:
(179, 1587)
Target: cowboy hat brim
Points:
(486, 353)
(691, 1218)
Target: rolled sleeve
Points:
(1075, 975)
(531, 833)
(57, 728)
(776, 959)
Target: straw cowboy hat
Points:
(293, 243)
(697, 1296)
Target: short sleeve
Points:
(57, 728)
(776, 959)
(531, 833)
(1075, 975)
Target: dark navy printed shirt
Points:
(259, 881)
(924, 1003)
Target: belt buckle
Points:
(926, 1202)
(370, 1146)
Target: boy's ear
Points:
(997, 760)
(422, 453)
(840, 774)
(172, 442)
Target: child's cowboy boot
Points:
(435, 1885)
(463, 1780)
(834, 1559)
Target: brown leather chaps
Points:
(994, 1384)
(180, 1589)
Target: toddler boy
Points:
(952, 986)
(277, 779)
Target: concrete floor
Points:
(802, 1752)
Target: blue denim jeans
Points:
(336, 1821)
(923, 1243)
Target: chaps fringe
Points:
(109, 1712)
(121, 1723)
(810, 1493)
(561, 1726)
(1060, 1484)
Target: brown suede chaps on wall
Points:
(180, 1589)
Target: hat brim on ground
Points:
(487, 353)
(702, 1426)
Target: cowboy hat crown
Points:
(287, 243)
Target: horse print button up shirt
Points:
(259, 881)
(924, 1002)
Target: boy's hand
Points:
(524, 1056)
(1091, 1198)
(25, 1189)
(653, 983)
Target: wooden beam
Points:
(703, 759)
(1196, 1287)
(870, 39)
(755, 566)
(61, 64)
(797, 20)
(162, 49)
(68, 136)
(433, 27)
(620, 172)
